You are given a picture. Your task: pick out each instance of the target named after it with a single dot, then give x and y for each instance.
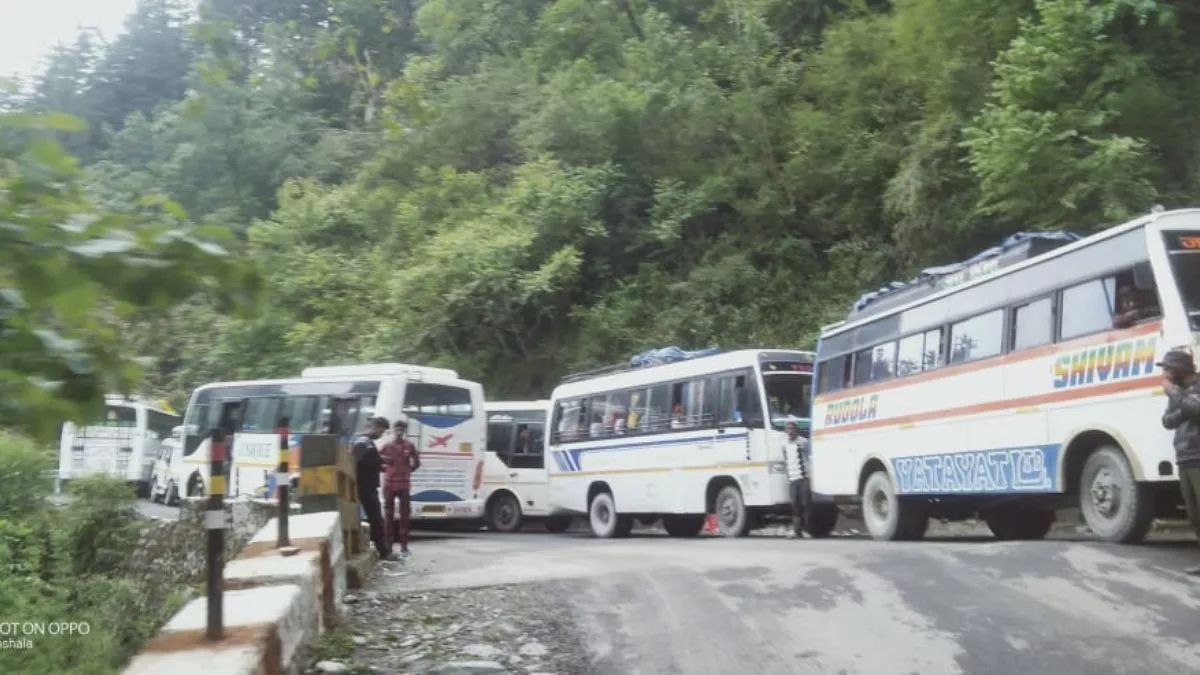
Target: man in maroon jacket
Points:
(400, 459)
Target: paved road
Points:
(654, 605)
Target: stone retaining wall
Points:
(276, 603)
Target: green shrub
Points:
(64, 564)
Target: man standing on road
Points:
(794, 450)
(1183, 415)
(368, 465)
(400, 460)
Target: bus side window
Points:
(658, 408)
(635, 419)
(262, 415)
(301, 414)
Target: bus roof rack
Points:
(377, 369)
(1014, 249)
(646, 359)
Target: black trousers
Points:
(374, 511)
(801, 500)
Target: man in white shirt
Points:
(795, 451)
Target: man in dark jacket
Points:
(368, 465)
(1183, 415)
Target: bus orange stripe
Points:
(992, 406)
(994, 362)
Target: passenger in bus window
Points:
(1132, 308)
(524, 442)
(1183, 415)
(678, 418)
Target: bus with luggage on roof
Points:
(1015, 383)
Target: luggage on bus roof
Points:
(1014, 249)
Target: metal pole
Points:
(282, 482)
(214, 523)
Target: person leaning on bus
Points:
(795, 447)
(1183, 415)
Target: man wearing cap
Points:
(400, 460)
(368, 465)
(795, 449)
(1183, 415)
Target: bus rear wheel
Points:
(606, 522)
(683, 525)
(887, 517)
(1114, 506)
(504, 513)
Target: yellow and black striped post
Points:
(282, 482)
(214, 523)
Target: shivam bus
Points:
(125, 444)
(445, 415)
(678, 439)
(515, 486)
(1013, 384)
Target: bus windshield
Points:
(1184, 252)
(789, 395)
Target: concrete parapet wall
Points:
(276, 603)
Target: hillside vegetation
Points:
(519, 188)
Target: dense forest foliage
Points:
(517, 188)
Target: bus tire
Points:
(1016, 524)
(887, 517)
(683, 525)
(558, 524)
(606, 522)
(504, 513)
(1114, 505)
(171, 496)
(822, 520)
(733, 519)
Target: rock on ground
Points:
(521, 629)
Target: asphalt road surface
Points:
(764, 606)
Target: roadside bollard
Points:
(282, 482)
(214, 523)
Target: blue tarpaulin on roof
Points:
(931, 274)
(655, 357)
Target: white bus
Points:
(680, 440)
(515, 486)
(1014, 384)
(125, 444)
(445, 415)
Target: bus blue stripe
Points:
(571, 457)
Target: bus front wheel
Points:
(606, 522)
(733, 519)
(887, 517)
(1115, 507)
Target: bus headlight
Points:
(776, 467)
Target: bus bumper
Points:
(447, 510)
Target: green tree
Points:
(70, 275)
